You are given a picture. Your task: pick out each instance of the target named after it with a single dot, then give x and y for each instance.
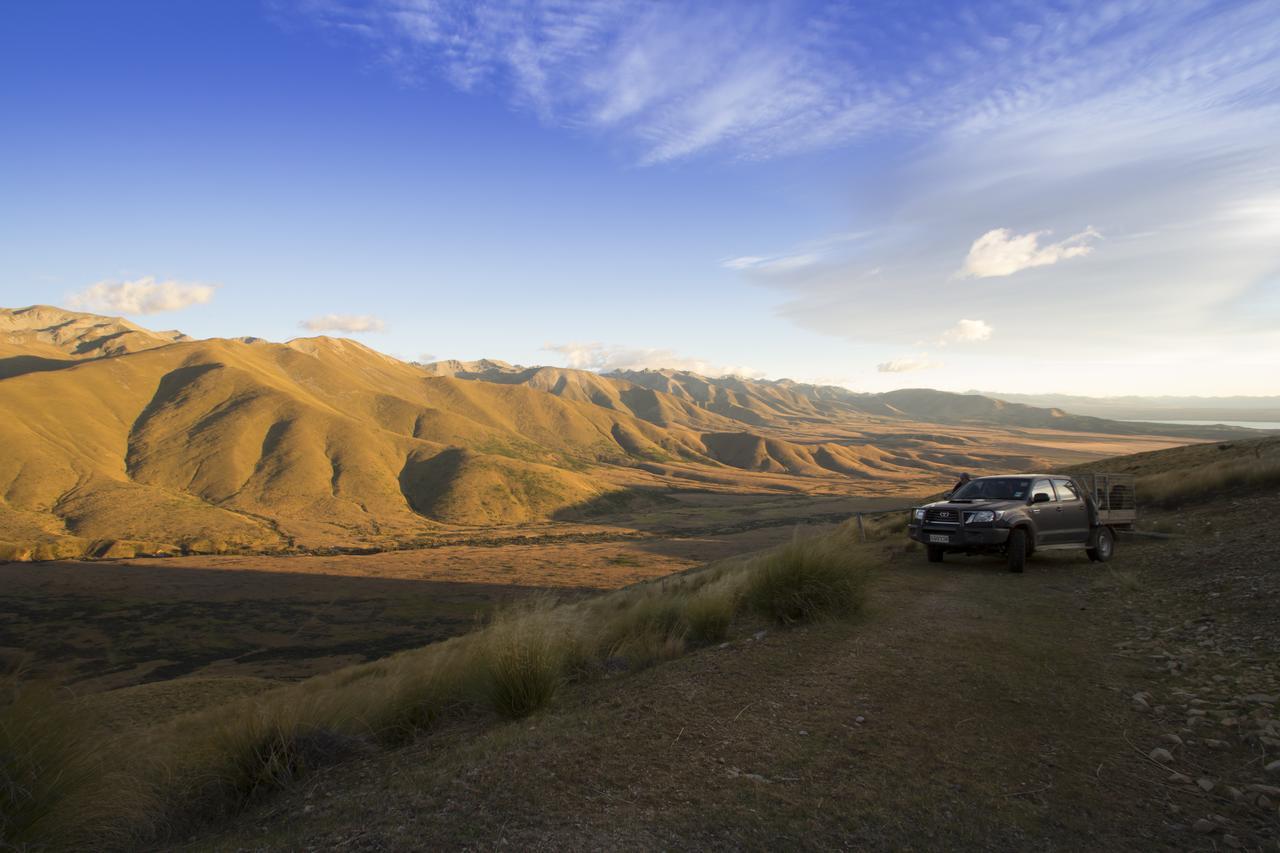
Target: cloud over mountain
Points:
(604, 358)
(350, 323)
(907, 364)
(142, 296)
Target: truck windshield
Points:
(994, 488)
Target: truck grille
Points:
(938, 515)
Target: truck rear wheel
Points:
(935, 553)
(1104, 547)
(1017, 549)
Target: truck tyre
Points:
(935, 553)
(1103, 547)
(1017, 549)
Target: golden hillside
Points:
(121, 441)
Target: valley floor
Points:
(967, 708)
(112, 624)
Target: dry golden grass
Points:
(1213, 480)
(808, 579)
(60, 779)
(217, 761)
(46, 759)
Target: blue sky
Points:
(1074, 197)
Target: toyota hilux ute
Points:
(1017, 515)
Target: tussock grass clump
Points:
(525, 656)
(879, 527)
(410, 702)
(808, 579)
(392, 700)
(258, 750)
(710, 611)
(219, 761)
(46, 759)
(1172, 489)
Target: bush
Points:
(709, 612)
(524, 657)
(257, 748)
(47, 757)
(807, 579)
(649, 628)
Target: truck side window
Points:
(1042, 486)
(1066, 491)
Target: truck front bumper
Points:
(962, 537)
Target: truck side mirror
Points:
(1040, 498)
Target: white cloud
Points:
(779, 264)
(966, 332)
(603, 358)
(908, 364)
(1000, 252)
(746, 262)
(142, 296)
(344, 323)
(426, 358)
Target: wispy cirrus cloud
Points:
(765, 79)
(779, 264)
(144, 295)
(603, 358)
(908, 364)
(1000, 252)
(349, 323)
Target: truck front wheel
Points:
(1104, 547)
(1017, 549)
(935, 553)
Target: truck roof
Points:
(1028, 476)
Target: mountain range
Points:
(1139, 408)
(119, 440)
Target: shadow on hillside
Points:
(106, 625)
(17, 365)
(171, 385)
(425, 477)
(617, 506)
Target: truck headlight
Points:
(918, 514)
(982, 516)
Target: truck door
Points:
(1045, 514)
(1073, 514)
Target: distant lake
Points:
(1249, 424)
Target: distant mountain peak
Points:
(49, 331)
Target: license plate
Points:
(939, 537)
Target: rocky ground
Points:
(1204, 619)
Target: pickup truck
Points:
(1016, 515)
